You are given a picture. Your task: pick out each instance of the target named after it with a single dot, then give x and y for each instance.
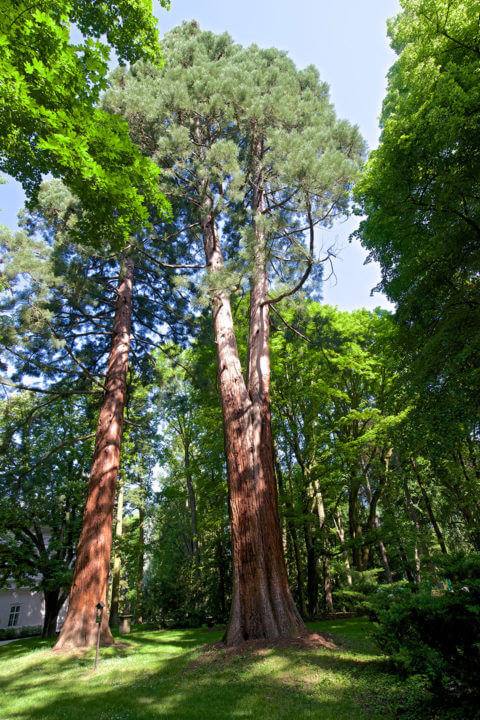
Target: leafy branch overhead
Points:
(50, 121)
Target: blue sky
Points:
(346, 40)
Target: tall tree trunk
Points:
(262, 605)
(383, 555)
(312, 571)
(192, 504)
(419, 541)
(141, 561)
(415, 520)
(428, 505)
(53, 600)
(90, 577)
(355, 526)
(341, 537)
(292, 530)
(298, 557)
(117, 562)
(376, 521)
(327, 581)
(327, 585)
(222, 577)
(399, 541)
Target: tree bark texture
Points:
(90, 578)
(262, 605)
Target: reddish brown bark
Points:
(262, 605)
(90, 578)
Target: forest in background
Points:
(364, 425)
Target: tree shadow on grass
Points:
(138, 682)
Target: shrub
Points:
(359, 597)
(435, 632)
(11, 633)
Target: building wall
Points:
(32, 608)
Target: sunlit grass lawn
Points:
(159, 675)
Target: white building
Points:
(23, 608)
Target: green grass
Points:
(162, 676)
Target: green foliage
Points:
(435, 632)
(13, 633)
(42, 489)
(360, 596)
(200, 117)
(49, 118)
(420, 194)
(189, 577)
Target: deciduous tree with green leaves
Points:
(43, 481)
(420, 194)
(50, 121)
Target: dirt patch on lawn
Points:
(219, 652)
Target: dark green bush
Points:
(11, 633)
(360, 596)
(434, 632)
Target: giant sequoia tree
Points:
(254, 160)
(60, 325)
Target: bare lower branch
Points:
(308, 269)
(54, 450)
(59, 393)
(290, 327)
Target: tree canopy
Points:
(420, 191)
(50, 119)
(340, 470)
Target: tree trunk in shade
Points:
(355, 525)
(312, 571)
(141, 562)
(292, 529)
(90, 578)
(429, 508)
(54, 600)
(327, 585)
(399, 540)
(262, 605)
(327, 580)
(117, 563)
(192, 504)
(341, 537)
(381, 546)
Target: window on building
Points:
(14, 614)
